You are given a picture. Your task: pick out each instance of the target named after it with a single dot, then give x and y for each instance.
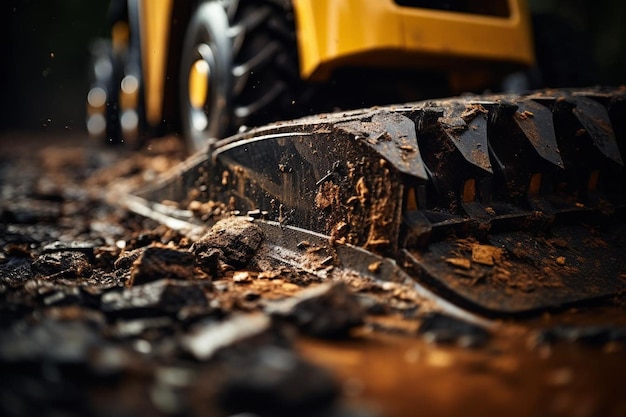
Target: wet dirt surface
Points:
(103, 312)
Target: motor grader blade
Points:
(502, 204)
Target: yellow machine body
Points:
(154, 19)
(332, 34)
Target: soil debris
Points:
(445, 329)
(592, 335)
(158, 262)
(328, 311)
(162, 297)
(236, 238)
(486, 254)
(463, 263)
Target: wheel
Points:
(115, 111)
(102, 100)
(239, 67)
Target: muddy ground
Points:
(104, 313)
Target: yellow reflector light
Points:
(469, 191)
(199, 83)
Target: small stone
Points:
(209, 261)
(560, 260)
(159, 262)
(289, 287)
(61, 296)
(206, 339)
(268, 274)
(155, 298)
(326, 311)
(486, 254)
(303, 244)
(127, 258)
(85, 247)
(444, 329)
(135, 327)
(16, 272)
(65, 264)
(236, 238)
(241, 277)
(374, 266)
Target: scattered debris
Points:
(158, 262)
(445, 329)
(327, 311)
(206, 339)
(486, 254)
(163, 297)
(463, 263)
(593, 335)
(106, 313)
(63, 264)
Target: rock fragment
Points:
(127, 258)
(444, 329)
(157, 262)
(65, 264)
(16, 271)
(208, 338)
(74, 246)
(327, 311)
(155, 298)
(237, 238)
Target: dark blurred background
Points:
(45, 54)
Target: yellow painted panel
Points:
(154, 32)
(465, 35)
(332, 29)
(381, 33)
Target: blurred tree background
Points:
(45, 53)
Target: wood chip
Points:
(486, 254)
(459, 262)
(374, 266)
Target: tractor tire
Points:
(239, 67)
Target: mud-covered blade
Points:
(502, 204)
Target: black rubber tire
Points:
(251, 51)
(271, 86)
(206, 39)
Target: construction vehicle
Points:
(207, 68)
(502, 204)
